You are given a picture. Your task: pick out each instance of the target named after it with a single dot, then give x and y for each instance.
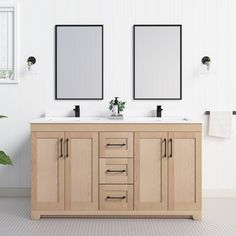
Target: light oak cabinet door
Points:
(150, 171)
(81, 160)
(47, 192)
(184, 162)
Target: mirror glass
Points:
(79, 62)
(157, 62)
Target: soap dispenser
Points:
(115, 109)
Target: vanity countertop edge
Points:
(107, 120)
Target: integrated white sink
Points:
(156, 119)
(73, 119)
(95, 119)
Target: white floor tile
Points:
(219, 219)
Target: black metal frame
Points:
(162, 25)
(56, 97)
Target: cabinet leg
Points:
(197, 216)
(35, 215)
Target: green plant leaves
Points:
(2, 116)
(5, 159)
(121, 105)
(111, 104)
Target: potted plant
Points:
(120, 105)
(4, 158)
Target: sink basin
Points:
(156, 119)
(96, 119)
(73, 119)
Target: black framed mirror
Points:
(157, 62)
(79, 62)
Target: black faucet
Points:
(77, 110)
(159, 110)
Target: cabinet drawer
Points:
(116, 144)
(116, 170)
(116, 197)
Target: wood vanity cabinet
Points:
(167, 171)
(116, 169)
(64, 171)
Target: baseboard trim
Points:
(219, 193)
(207, 193)
(14, 192)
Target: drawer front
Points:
(116, 197)
(116, 170)
(116, 144)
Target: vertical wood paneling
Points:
(222, 89)
(210, 49)
(207, 84)
(187, 52)
(128, 21)
(107, 10)
(231, 89)
(198, 52)
(141, 12)
(231, 52)
(153, 8)
(118, 43)
(175, 11)
(222, 56)
(164, 11)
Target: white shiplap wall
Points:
(208, 29)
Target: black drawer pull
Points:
(165, 147)
(115, 198)
(115, 171)
(171, 148)
(61, 153)
(116, 144)
(67, 148)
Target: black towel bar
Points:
(208, 112)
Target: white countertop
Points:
(63, 120)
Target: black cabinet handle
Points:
(116, 144)
(171, 148)
(115, 198)
(115, 171)
(61, 153)
(165, 147)
(67, 148)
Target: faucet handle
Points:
(77, 110)
(159, 110)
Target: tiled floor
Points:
(219, 219)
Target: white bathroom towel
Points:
(220, 124)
